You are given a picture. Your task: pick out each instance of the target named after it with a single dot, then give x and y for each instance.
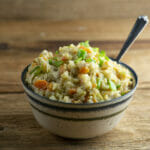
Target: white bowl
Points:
(78, 121)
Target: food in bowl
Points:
(78, 74)
(77, 91)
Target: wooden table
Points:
(21, 41)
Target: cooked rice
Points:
(78, 74)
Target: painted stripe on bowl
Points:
(77, 109)
(79, 119)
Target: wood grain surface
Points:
(21, 41)
(72, 9)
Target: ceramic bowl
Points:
(78, 121)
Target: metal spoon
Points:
(139, 25)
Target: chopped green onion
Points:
(37, 72)
(50, 61)
(123, 93)
(85, 44)
(99, 81)
(118, 86)
(90, 60)
(101, 61)
(77, 60)
(112, 85)
(42, 67)
(82, 53)
(34, 69)
(57, 52)
(107, 58)
(55, 58)
(96, 49)
(102, 53)
(55, 62)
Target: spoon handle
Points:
(137, 28)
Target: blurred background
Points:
(60, 10)
(30, 22)
(29, 26)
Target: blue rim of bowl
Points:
(112, 101)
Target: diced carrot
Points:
(45, 58)
(97, 74)
(84, 70)
(64, 58)
(72, 91)
(86, 98)
(94, 85)
(50, 86)
(61, 69)
(94, 101)
(41, 84)
(86, 49)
